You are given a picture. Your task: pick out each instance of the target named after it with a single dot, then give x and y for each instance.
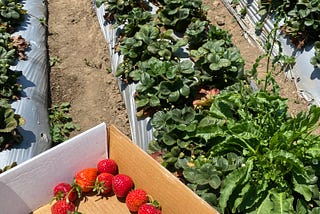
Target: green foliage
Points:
(220, 64)
(117, 10)
(9, 121)
(146, 43)
(197, 33)
(241, 152)
(11, 13)
(61, 124)
(315, 60)
(135, 18)
(300, 18)
(9, 86)
(303, 24)
(163, 84)
(177, 14)
(276, 154)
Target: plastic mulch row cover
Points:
(33, 104)
(305, 76)
(141, 130)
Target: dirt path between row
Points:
(81, 75)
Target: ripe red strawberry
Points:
(135, 199)
(121, 185)
(86, 178)
(148, 209)
(62, 207)
(61, 190)
(107, 165)
(103, 184)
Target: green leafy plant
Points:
(163, 84)
(146, 43)
(135, 18)
(9, 86)
(61, 124)
(197, 33)
(303, 24)
(177, 14)
(275, 154)
(11, 13)
(220, 64)
(315, 60)
(9, 121)
(301, 21)
(117, 10)
(54, 60)
(279, 152)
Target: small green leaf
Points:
(174, 96)
(309, 22)
(185, 90)
(215, 181)
(154, 101)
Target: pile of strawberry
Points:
(103, 180)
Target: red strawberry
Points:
(121, 185)
(62, 207)
(61, 190)
(103, 184)
(107, 165)
(148, 209)
(86, 178)
(135, 199)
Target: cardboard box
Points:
(27, 188)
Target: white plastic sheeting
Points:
(141, 130)
(33, 106)
(305, 76)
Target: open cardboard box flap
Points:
(28, 186)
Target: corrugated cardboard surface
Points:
(174, 196)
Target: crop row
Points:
(225, 133)
(11, 49)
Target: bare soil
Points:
(81, 75)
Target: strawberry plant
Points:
(220, 64)
(136, 17)
(11, 13)
(146, 43)
(300, 19)
(9, 86)
(61, 124)
(303, 24)
(315, 60)
(178, 14)
(163, 84)
(116, 10)
(197, 33)
(9, 121)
